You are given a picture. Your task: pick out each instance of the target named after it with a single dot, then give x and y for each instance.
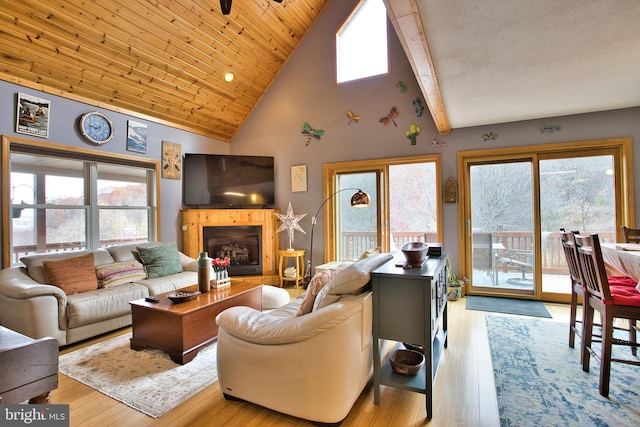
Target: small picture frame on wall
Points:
(32, 115)
(137, 137)
(171, 160)
(298, 178)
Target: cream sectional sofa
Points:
(311, 366)
(34, 308)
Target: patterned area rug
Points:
(146, 380)
(540, 382)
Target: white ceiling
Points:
(499, 61)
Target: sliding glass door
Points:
(406, 205)
(514, 202)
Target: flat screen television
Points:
(226, 181)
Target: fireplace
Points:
(242, 244)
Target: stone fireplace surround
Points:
(194, 222)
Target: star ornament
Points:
(290, 223)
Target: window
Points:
(361, 43)
(66, 201)
(405, 205)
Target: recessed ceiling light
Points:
(229, 77)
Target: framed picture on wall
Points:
(171, 160)
(298, 178)
(137, 137)
(32, 115)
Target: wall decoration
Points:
(450, 191)
(290, 223)
(402, 86)
(352, 117)
(438, 144)
(171, 160)
(32, 115)
(490, 136)
(413, 133)
(137, 137)
(417, 104)
(310, 132)
(298, 178)
(389, 117)
(96, 127)
(549, 129)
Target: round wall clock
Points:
(96, 127)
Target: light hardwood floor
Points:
(464, 392)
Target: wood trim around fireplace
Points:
(194, 220)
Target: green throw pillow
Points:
(161, 260)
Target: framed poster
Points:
(298, 178)
(32, 115)
(171, 160)
(137, 137)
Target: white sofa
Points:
(34, 308)
(312, 366)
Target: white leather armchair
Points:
(313, 366)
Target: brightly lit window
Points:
(361, 43)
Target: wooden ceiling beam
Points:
(406, 20)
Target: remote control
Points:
(151, 299)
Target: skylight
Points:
(361, 43)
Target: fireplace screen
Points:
(242, 244)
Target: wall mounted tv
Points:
(224, 181)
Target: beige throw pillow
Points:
(72, 275)
(317, 282)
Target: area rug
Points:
(540, 382)
(507, 305)
(146, 380)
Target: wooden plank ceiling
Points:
(160, 60)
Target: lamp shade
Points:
(360, 200)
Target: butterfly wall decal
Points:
(389, 117)
(310, 132)
(352, 117)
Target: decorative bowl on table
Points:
(182, 296)
(406, 362)
(415, 253)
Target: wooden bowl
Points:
(182, 296)
(406, 362)
(415, 253)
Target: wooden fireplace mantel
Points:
(194, 220)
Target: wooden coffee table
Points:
(181, 330)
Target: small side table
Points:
(283, 263)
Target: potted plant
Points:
(454, 284)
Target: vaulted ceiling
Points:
(477, 62)
(162, 60)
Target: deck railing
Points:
(553, 261)
(23, 250)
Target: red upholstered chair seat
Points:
(625, 295)
(621, 281)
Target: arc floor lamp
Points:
(359, 200)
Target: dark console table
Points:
(410, 305)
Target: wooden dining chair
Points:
(631, 235)
(610, 301)
(577, 287)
